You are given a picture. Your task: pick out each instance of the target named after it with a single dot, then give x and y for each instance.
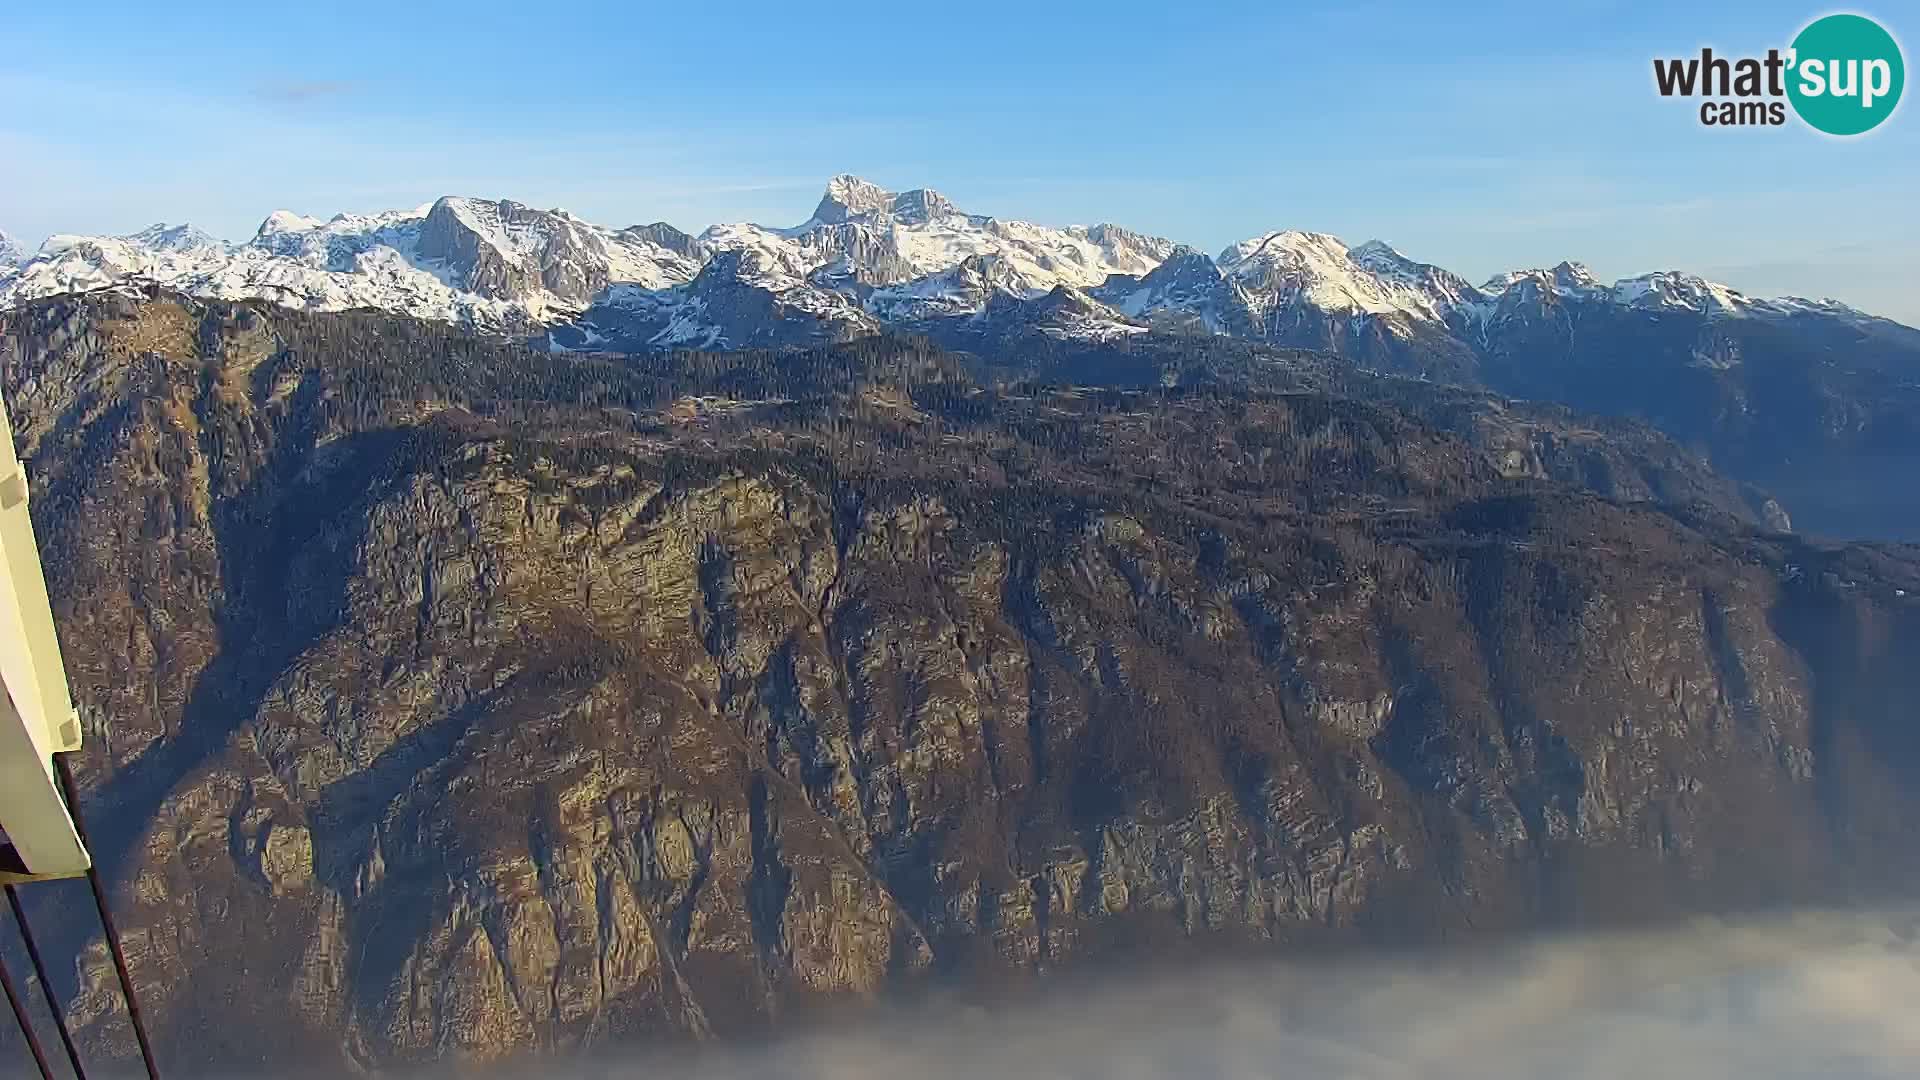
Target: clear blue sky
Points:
(1480, 136)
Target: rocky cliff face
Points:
(502, 250)
(1818, 406)
(449, 700)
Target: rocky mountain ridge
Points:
(447, 699)
(1811, 401)
(499, 265)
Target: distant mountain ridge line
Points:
(865, 258)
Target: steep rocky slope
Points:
(446, 699)
(1821, 407)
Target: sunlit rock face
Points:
(447, 700)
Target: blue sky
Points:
(1482, 137)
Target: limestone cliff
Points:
(448, 700)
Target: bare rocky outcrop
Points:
(445, 700)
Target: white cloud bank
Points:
(1819, 997)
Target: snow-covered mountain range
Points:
(867, 258)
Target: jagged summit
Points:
(1673, 288)
(848, 195)
(848, 198)
(666, 236)
(1566, 276)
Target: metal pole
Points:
(26, 1025)
(72, 792)
(46, 986)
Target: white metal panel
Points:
(36, 716)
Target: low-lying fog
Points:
(1816, 996)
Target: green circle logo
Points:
(1845, 75)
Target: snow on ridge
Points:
(283, 221)
(546, 261)
(866, 252)
(890, 239)
(515, 231)
(163, 237)
(1293, 266)
(849, 198)
(856, 195)
(1567, 277)
(1671, 288)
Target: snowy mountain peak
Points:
(510, 228)
(1570, 278)
(1286, 246)
(1187, 292)
(923, 205)
(1063, 313)
(851, 195)
(286, 221)
(665, 236)
(1573, 275)
(1443, 288)
(965, 288)
(543, 259)
(1127, 251)
(1673, 289)
(863, 237)
(1179, 281)
(849, 198)
(1380, 258)
(1285, 269)
(10, 250)
(163, 237)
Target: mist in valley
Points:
(1813, 995)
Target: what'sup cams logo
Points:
(1842, 75)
